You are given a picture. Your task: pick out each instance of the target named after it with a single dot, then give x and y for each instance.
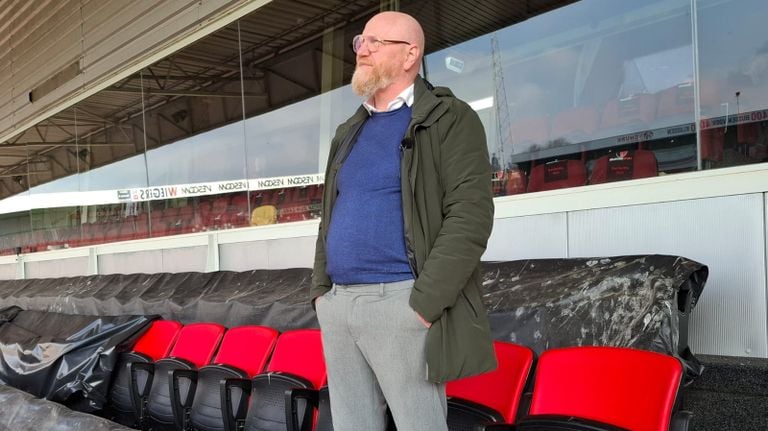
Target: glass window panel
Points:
(733, 65)
(193, 109)
(294, 102)
(592, 92)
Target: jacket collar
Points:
(427, 106)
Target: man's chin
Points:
(363, 91)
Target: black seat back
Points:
(121, 408)
(324, 422)
(266, 411)
(465, 415)
(206, 413)
(159, 406)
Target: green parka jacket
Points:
(448, 215)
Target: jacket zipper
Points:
(408, 247)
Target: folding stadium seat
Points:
(126, 226)
(315, 201)
(194, 348)
(493, 396)
(297, 205)
(238, 214)
(186, 211)
(317, 399)
(624, 165)
(243, 354)
(556, 175)
(217, 216)
(38, 240)
(498, 182)
(516, 182)
(748, 136)
(297, 362)
(712, 144)
(289, 207)
(93, 233)
(154, 344)
(155, 215)
(204, 210)
(748, 133)
(141, 227)
(112, 232)
(605, 388)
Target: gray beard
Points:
(367, 87)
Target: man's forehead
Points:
(381, 24)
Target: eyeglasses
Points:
(372, 43)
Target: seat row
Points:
(556, 174)
(204, 377)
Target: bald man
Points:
(407, 211)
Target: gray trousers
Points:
(374, 348)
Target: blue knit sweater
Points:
(366, 242)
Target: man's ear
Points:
(412, 57)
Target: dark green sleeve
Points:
(468, 214)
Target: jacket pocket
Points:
(471, 306)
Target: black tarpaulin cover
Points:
(634, 301)
(628, 301)
(61, 357)
(276, 298)
(21, 411)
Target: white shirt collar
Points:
(406, 97)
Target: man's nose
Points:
(363, 51)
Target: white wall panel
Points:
(185, 259)
(67, 267)
(291, 252)
(243, 256)
(724, 233)
(181, 259)
(530, 237)
(144, 262)
(8, 271)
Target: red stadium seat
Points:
(624, 165)
(297, 362)
(157, 341)
(153, 345)
(493, 396)
(194, 348)
(516, 182)
(595, 388)
(243, 354)
(712, 144)
(556, 175)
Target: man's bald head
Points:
(400, 26)
(387, 67)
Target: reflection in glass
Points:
(592, 92)
(595, 87)
(733, 64)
